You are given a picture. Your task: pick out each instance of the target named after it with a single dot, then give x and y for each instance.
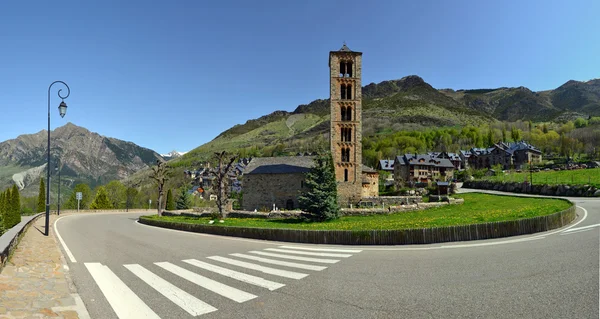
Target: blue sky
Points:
(174, 74)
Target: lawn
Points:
(573, 177)
(478, 208)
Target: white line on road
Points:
(254, 280)
(316, 260)
(331, 250)
(266, 270)
(493, 243)
(575, 232)
(187, 302)
(212, 285)
(280, 263)
(287, 251)
(125, 303)
(62, 242)
(582, 227)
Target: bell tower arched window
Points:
(345, 69)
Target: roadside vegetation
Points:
(478, 208)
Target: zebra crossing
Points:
(261, 268)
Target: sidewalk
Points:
(34, 283)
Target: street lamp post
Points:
(62, 109)
(57, 168)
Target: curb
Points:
(385, 237)
(10, 239)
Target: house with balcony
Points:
(422, 168)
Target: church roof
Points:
(280, 165)
(345, 48)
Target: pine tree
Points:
(320, 198)
(2, 212)
(101, 201)
(183, 201)
(170, 203)
(16, 205)
(41, 206)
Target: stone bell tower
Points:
(346, 122)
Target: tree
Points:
(515, 133)
(101, 201)
(160, 174)
(130, 195)
(16, 205)
(490, 137)
(320, 197)
(41, 206)
(183, 201)
(170, 203)
(221, 183)
(504, 134)
(2, 212)
(116, 193)
(86, 197)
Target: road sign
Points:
(79, 195)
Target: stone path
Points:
(34, 283)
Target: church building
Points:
(262, 181)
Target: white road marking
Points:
(125, 303)
(280, 263)
(287, 251)
(332, 250)
(254, 280)
(491, 244)
(266, 270)
(62, 242)
(187, 302)
(575, 232)
(214, 286)
(583, 227)
(316, 260)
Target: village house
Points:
(508, 155)
(422, 168)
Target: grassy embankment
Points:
(573, 177)
(478, 208)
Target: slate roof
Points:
(279, 165)
(386, 165)
(367, 169)
(423, 159)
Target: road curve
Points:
(545, 275)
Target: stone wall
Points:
(264, 190)
(551, 190)
(393, 200)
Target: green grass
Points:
(478, 208)
(574, 177)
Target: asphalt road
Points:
(545, 275)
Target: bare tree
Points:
(160, 174)
(221, 185)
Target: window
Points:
(345, 175)
(346, 113)
(346, 134)
(345, 155)
(345, 69)
(345, 91)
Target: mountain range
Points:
(404, 104)
(84, 157)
